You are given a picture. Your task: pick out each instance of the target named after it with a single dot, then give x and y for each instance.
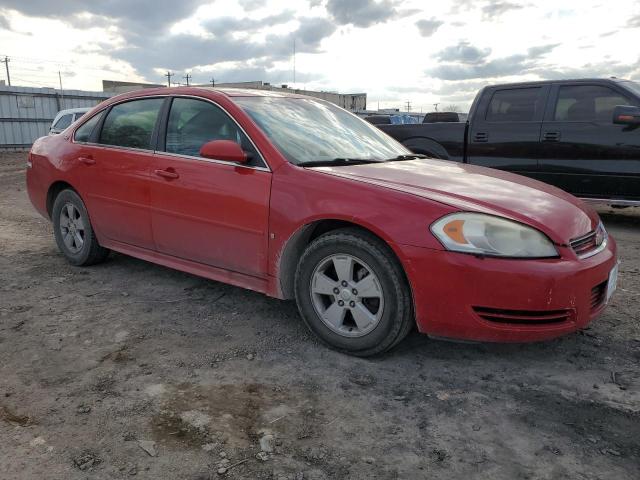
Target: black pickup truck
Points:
(580, 135)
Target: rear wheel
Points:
(73, 231)
(352, 293)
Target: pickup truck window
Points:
(633, 86)
(514, 105)
(587, 103)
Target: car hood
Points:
(470, 188)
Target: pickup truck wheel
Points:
(73, 231)
(352, 293)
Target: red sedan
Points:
(297, 198)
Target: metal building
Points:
(26, 113)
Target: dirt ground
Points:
(131, 369)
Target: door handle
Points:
(551, 136)
(168, 174)
(87, 160)
(481, 137)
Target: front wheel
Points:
(352, 293)
(73, 231)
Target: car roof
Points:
(202, 91)
(249, 92)
(73, 110)
(548, 82)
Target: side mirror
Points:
(626, 115)
(223, 150)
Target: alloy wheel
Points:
(72, 228)
(347, 295)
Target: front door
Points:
(584, 152)
(209, 211)
(114, 162)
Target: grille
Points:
(597, 295)
(523, 317)
(585, 244)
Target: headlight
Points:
(482, 234)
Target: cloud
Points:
(542, 50)
(465, 62)
(181, 52)
(220, 26)
(149, 15)
(149, 46)
(428, 27)
(249, 5)
(4, 22)
(496, 9)
(463, 52)
(361, 13)
(634, 22)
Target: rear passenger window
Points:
(192, 123)
(587, 103)
(83, 134)
(514, 105)
(131, 124)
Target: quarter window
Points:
(192, 123)
(587, 103)
(131, 124)
(514, 105)
(83, 134)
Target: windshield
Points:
(633, 86)
(308, 130)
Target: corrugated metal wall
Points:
(26, 113)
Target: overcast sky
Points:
(395, 51)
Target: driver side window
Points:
(192, 123)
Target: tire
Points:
(75, 238)
(364, 325)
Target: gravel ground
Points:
(131, 369)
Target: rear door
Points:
(505, 130)
(114, 161)
(209, 211)
(584, 152)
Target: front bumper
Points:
(527, 300)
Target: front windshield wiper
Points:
(337, 162)
(411, 156)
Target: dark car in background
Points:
(580, 135)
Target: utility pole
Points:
(436, 106)
(408, 106)
(61, 92)
(294, 60)
(213, 82)
(6, 64)
(187, 77)
(169, 75)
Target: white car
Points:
(64, 118)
